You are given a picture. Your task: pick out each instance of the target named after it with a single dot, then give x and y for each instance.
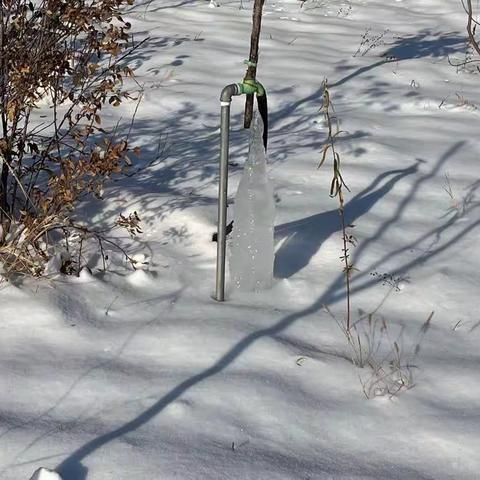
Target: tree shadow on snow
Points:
(193, 157)
(425, 44)
(167, 299)
(73, 468)
(304, 237)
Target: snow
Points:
(118, 375)
(252, 248)
(45, 474)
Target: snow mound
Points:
(45, 474)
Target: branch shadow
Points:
(305, 236)
(166, 298)
(187, 174)
(195, 159)
(72, 466)
(196, 154)
(427, 43)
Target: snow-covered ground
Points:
(142, 375)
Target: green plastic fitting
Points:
(251, 86)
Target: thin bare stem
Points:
(336, 190)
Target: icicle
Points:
(251, 260)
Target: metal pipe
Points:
(225, 101)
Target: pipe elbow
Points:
(228, 92)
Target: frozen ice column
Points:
(251, 260)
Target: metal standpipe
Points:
(246, 87)
(225, 101)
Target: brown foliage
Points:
(71, 54)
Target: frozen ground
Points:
(142, 375)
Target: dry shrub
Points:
(69, 59)
(385, 362)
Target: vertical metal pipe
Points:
(225, 100)
(222, 202)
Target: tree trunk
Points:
(252, 69)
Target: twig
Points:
(471, 26)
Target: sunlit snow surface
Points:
(142, 375)
(45, 474)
